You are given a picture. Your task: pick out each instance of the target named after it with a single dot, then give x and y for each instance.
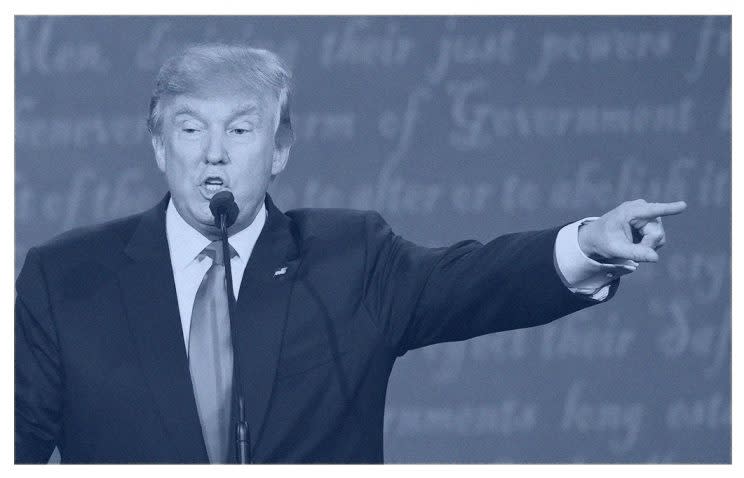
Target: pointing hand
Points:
(633, 230)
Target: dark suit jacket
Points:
(101, 366)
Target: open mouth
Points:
(212, 185)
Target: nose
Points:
(216, 152)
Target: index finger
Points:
(658, 209)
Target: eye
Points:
(240, 131)
(189, 130)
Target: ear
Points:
(159, 149)
(279, 161)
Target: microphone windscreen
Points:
(224, 203)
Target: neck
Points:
(212, 232)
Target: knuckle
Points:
(655, 231)
(656, 227)
(630, 207)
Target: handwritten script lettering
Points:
(615, 45)
(40, 51)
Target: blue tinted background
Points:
(456, 128)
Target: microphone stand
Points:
(242, 435)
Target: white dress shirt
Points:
(581, 274)
(185, 244)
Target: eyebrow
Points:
(240, 110)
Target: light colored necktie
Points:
(211, 356)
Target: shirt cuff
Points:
(582, 274)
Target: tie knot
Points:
(214, 251)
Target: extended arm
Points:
(420, 296)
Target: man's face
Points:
(221, 142)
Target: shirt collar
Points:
(191, 242)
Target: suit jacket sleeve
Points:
(38, 374)
(422, 296)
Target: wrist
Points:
(585, 242)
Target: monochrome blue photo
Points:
(378, 239)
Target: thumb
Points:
(637, 252)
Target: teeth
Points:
(213, 187)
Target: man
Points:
(123, 345)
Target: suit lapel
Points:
(151, 305)
(261, 313)
(149, 295)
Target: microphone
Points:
(223, 204)
(225, 212)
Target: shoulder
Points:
(344, 234)
(82, 258)
(330, 223)
(100, 242)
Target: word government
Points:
(479, 123)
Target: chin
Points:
(202, 215)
